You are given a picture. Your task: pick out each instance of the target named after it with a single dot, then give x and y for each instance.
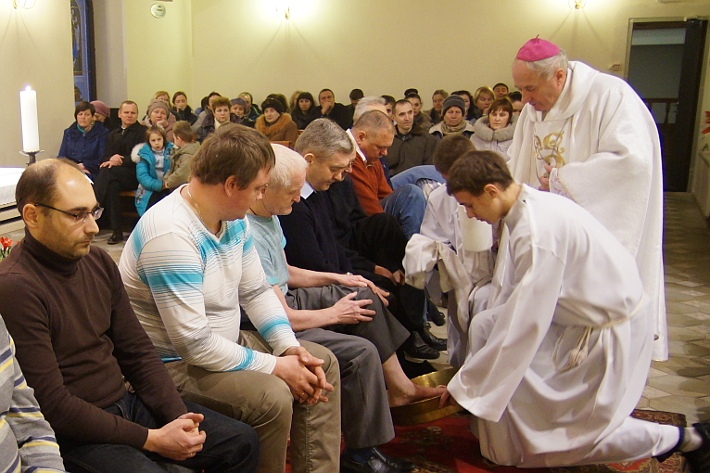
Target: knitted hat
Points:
(454, 101)
(239, 101)
(101, 108)
(272, 103)
(158, 104)
(537, 49)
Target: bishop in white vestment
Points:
(588, 136)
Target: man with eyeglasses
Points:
(78, 342)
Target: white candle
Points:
(28, 114)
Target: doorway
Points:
(665, 60)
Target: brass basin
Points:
(426, 410)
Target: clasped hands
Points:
(304, 375)
(115, 160)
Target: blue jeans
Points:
(231, 446)
(407, 205)
(412, 175)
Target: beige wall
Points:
(235, 45)
(386, 47)
(35, 49)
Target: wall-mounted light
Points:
(283, 9)
(23, 4)
(577, 4)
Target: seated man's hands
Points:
(179, 440)
(303, 374)
(349, 310)
(115, 160)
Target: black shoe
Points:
(398, 463)
(434, 315)
(699, 460)
(116, 238)
(430, 339)
(418, 348)
(377, 463)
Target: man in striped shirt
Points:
(26, 439)
(187, 267)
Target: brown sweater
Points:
(76, 337)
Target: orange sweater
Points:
(370, 184)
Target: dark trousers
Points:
(109, 184)
(231, 446)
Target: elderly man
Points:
(340, 312)
(373, 134)
(79, 342)
(559, 359)
(187, 267)
(588, 136)
(312, 241)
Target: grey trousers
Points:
(264, 402)
(360, 349)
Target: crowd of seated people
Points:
(104, 150)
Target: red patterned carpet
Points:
(447, 446)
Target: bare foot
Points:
(416, 393)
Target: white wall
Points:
(386, 47)
(110, 53)
(35, 49)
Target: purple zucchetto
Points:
(537, 49)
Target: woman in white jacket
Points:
(494, 132)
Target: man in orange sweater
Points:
(373, 133)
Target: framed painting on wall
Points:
(82, 32)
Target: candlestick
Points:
(28, 114)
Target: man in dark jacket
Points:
(117, 172)
(337, 112)
(412, 146)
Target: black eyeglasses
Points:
(79, 216)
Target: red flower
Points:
(5, 242)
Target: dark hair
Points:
(410, 91)
(183, 130)
(500, 83)
(476, 169)
(471, 104)
(306, 95)
(400, 102)
(388, 99)
(356, 94)
(502, 104)
(156, 129)
(177, 94)
(232, 150)
(205, 102)
(83, 106)
(38, 183)
(281, 98)
(449, 149)
(414, 95)
(515, 96)
(272, 102)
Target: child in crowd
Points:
(152, 163)
(185, 149)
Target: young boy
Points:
(186, 149)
